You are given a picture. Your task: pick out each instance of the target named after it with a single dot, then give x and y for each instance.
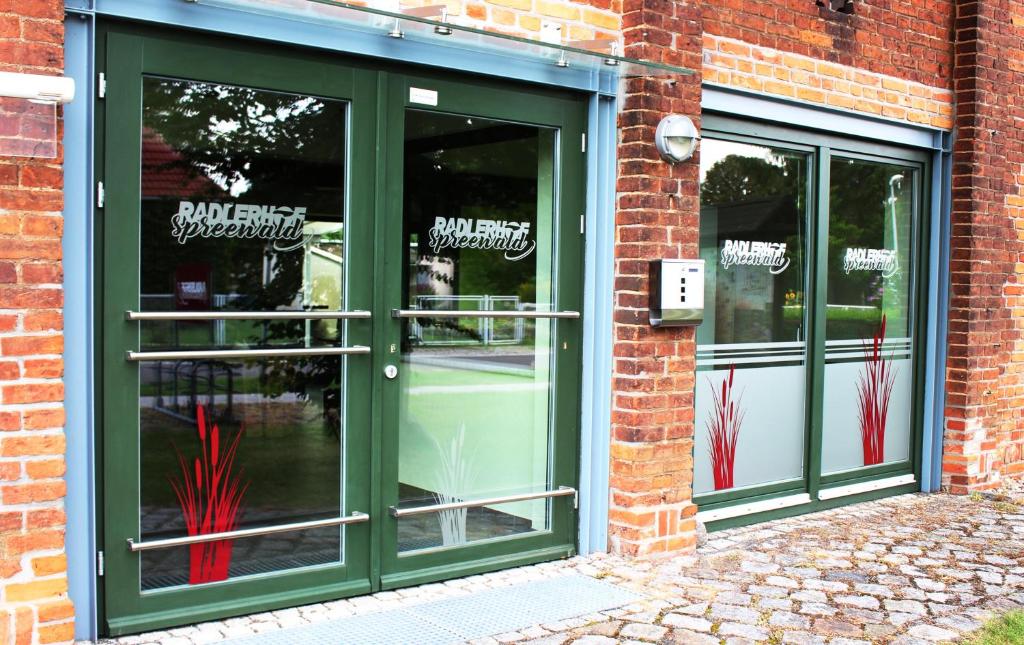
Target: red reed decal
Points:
(724, 430)
(873, 391)
(210, 495)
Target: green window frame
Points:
(822, 148)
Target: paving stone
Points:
(733, 598)
(817, 609)
(642, 632)
(959, 623)
(734, 613)
(837, 627)
(789, 620)
(808, 595)
(775, 603)
(684, 637)
(691, 623)
(932, 633)
(802, 638)
(864, 602)
(744, 631)
(874, 590)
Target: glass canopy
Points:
(431, 24)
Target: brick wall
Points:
(734, 63)
(651, 508)
(34, 607)
(984, 434)
(908, 39)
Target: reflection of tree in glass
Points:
(256, 147)
(759, 199)
(863, 205)
(737, 178)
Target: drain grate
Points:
(453, 620)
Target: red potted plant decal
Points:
(210, 495)
(873, 391)
(724, 430)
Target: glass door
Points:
(482, 375)
(806, 357)
(752, 362)
(237, 331)
(870, 317)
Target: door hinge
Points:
(583, 142)
(99, 563)
(101, 85)
(101, 195)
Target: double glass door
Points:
(340, 328)
(806, 388)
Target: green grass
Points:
(1007, 629)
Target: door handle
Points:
(458, 313)
(246, 315)
(356, 517)
(184, 355)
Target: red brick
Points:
(44, 368)
(41, 273)
(29, 345)
(32, 492)
(32, 445)
(43, 321)
(32, 393)
(41, 419)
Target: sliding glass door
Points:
(806, 358)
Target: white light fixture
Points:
(676, 138)
(37, 87)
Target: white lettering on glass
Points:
(213, 219)
(467, 233)
(747, 253)
(884, 260)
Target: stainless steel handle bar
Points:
(561, 491)
(245, 315)
(457, 313)
(184, 355)
(355, 518)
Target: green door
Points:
(278, 424)
(482, 295)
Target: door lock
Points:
(390, 371)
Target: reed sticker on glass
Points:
(869, 315)
(749, 401)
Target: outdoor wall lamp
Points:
(37, 87)
(676, 138)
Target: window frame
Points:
(822, 147)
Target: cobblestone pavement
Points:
(908, 570)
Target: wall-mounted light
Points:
(37, 87)
(676, 138)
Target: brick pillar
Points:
(651, 508)
(34, 607)
(984, 427)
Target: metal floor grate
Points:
(454, 620)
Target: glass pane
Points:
(242, 209)
(868, 348)
(749, 402)
(474, 417)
